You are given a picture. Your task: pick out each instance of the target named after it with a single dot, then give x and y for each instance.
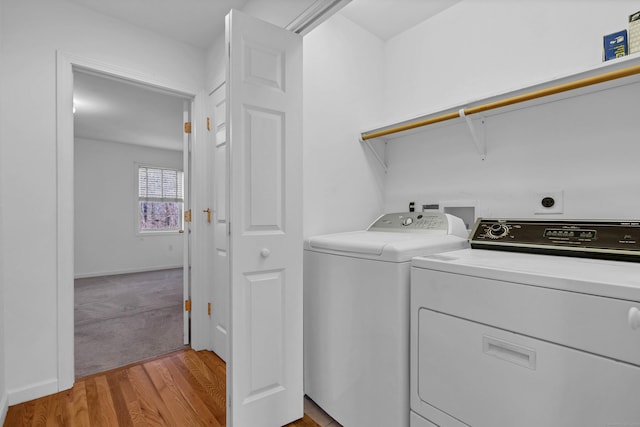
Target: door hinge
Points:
(187, 127)
(209, 309)
(187, 305)
(187, 215)
(208, 123)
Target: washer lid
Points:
(384, 245)
(357, 241)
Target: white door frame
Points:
(65, 65)
(186, 228)
(199, 280)
(218, 232)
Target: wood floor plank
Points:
(121, 409)
(195, 363)
(109, 417)
(193, 392)
(130, 399)
(153, 409)
(212, 385)
(55, 414)
(169, 393)
(306, 421)
(93, 404)
(218, 370)
(17, 416)
(41, 409)
(215, 364)
(186, 388)
(76, 412)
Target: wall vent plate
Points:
(549, 202)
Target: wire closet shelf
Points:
(528, 96)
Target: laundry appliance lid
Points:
(614, 279)
(384, 245)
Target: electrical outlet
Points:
(549, 202)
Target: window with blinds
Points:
(160, 199)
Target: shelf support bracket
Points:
(375, 153)
(479, 141)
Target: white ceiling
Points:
(199, 22)
(196, 22)
(113, 110)
(388, 18)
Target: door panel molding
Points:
(264, 137)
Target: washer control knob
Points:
(497, 231)
(634, 318)
(407, 221)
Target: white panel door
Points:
(264, 134)
(220, 244)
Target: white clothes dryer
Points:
(356, 314)
(527, 329)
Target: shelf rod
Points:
(564, 87)
(409, 126)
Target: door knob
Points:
(634, 318)
(265, 252)
(208, 212)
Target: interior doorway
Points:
(131, 244)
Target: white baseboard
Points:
(31, 392)
(126, 271)
(4, 406)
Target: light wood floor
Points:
(185, 388)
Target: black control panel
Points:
(584, 238)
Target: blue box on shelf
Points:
(615, 45)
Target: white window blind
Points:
(160, 199)
(164, 185)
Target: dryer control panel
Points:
(412, 221)
(585, 238)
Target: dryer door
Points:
(486, 377)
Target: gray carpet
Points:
(126, 318)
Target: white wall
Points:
(480, 48)
(3, 319)
(576, 145)
(343, 77)
(215, 64)
(585, 146)
(106, 236)
(32, 32)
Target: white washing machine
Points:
(515, 332)
(356, 314)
